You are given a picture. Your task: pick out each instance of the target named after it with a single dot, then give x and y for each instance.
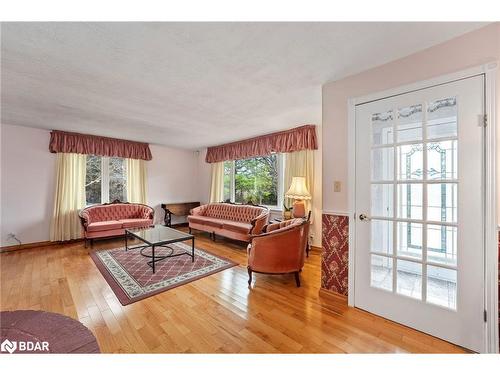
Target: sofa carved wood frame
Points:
(253, 222)
(84, 222)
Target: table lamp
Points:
(298, 191)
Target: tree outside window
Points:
(105, 179)
(254, 180)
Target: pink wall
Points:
(27, 184)
(171, 178)
(28, 176)
(469, 50)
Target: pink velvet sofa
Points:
(111, 219)
(235, 221)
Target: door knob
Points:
(363, 217)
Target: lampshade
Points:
(298, 189)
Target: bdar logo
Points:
(8, 346)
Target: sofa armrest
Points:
(84, 218)
(260, 222)
(199, 211)
(148, 213)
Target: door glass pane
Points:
(442, 244)
(382, 200)
(383, 164)
(117, 180)
(409, 201)
(442, 118)
(442, 202)
(409, 240)
(381, 272)
(442, 286)
(381, 237)
(410, 162)
(409, 279)
(442, 160)
(382, 128)
(410, 123)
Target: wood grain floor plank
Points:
(216, 314)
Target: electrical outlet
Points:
(336, 186)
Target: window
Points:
(105, 180)
(258, 180)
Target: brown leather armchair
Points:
(280, 250)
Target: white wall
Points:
(469, 50)
(203, 177)
(28, 176)
(172, 178)
(27, 184)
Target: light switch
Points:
(336, 186)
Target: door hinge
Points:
(485, 316)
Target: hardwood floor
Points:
(216, 314)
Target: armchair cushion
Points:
(282, 224)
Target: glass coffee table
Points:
(158, 237)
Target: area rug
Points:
(42, 332)
(132, 279)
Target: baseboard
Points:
(31, 245)
(316, 249)
(333, 300)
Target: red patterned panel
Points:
(334, 259)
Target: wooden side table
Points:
(177, 209)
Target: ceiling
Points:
(190, 85)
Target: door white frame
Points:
(491, 224)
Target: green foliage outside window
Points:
(255, 180)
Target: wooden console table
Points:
(177, 209)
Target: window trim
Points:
(280, 188)
(105, 181)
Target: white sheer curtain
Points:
(217, 183)
(136, 181)
(300, 164)
(69, 196)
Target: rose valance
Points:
(297, 139)
(94, 145)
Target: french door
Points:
(419, 210)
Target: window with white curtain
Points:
(106, 179)
(258, 180)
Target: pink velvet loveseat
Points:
(111, 219)
(236, 221)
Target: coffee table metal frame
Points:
(162, 244)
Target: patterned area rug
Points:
(132, 279)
